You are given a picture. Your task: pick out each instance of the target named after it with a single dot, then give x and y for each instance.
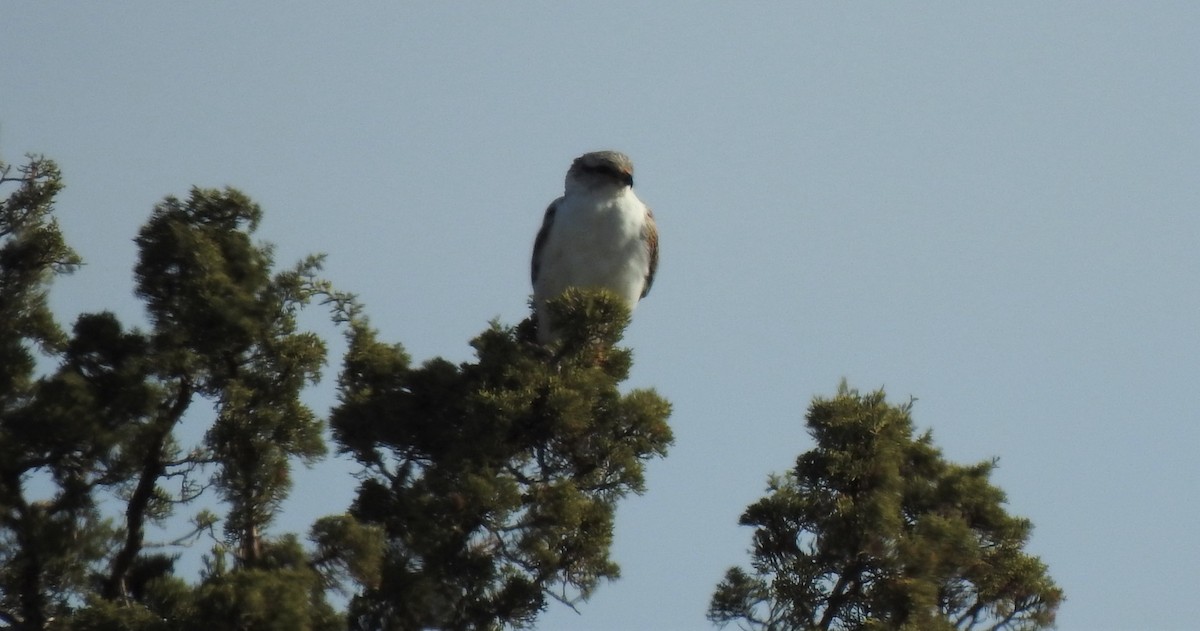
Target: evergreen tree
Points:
(48, 536)
(100, 428)
(873, 529)
(225, 328)
(487, 487)
(495, 481)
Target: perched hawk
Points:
(597, 235)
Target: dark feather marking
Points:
(651, 234)
(547, 221)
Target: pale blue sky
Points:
(990, 208)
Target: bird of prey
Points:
(598, 235)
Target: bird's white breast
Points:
(596, 241)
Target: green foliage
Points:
(48, 538)
(487, 487)
(224, 328)
(32, 252)
(99, 429)
(495, 481)
(282, 592)
(348, 552)
(873, 529)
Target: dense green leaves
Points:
(99, 430)
(50, 534)
(487, 487)
(873, 529)
(495, 481)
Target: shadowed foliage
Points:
(487, 487)
(496, 480)
(89, 454)
(873, 529)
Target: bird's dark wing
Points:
(650, 234)
(535, 264)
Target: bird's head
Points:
(600, 169)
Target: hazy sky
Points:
(991, 207)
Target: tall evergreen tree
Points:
(225, 328)
(874, 529)
(100, 428)
(495, 481)
(47, 535)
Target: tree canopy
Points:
(496, 481)
(487, 487)
(874, 529)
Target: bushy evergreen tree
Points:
(487, 487)
(100, 428)
(874, 529)
(48, 537)
(495, 480)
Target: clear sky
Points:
(991, 207)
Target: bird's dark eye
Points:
(610, 171)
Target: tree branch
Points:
(32, 600)
(135, 513)
(847, 583)
(971, 616)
